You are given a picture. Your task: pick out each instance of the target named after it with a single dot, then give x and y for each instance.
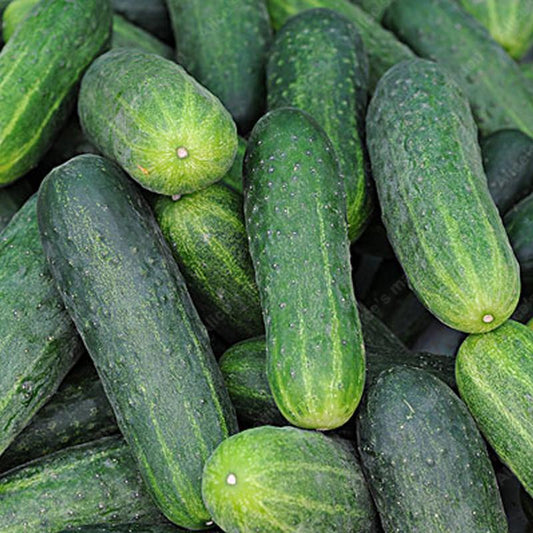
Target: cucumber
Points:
(382, 47)
(39, 71)
(527, 72)
(130, 304)
(207, 235)
(441, 31)
(424, 459)
(38, 342)
(436, 206)
(318, 64)
(494, 374)
(167, 132)
(295, 213)
(510, 23)
(233, 178)
(11, 200)
(508, 162)
(223, 44)
(519, 225)
(94, 482)
(125, 528)
(77, 413)
(14, 14)
(286, 479)
(375, 8)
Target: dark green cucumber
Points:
(223, 44)
(382, 47)
(519, 225)
(436, 206)
(286, 479)
(39, 71)
(207, 235)
(233, 178)
(510, 23)
(425, 461)
(441, 31)
(494, 374)
(125, 528)
(11, 200)
(129, 302)
(77, 413)
(508, 163)
(167, 131)
(38, 341)
(295, 212)
(94, 482)
(318, 64)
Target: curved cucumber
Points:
(440, 218)
(295, 213)
(495, 378)
(286, 479)
(425, 461)
(167, 132)
(207, 235)
(318, 64)
(39, 71)
(519, 225)
(129, 302)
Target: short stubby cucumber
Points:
(38, 341)
(127, 297)
(93, 482)
(318, 64)
(436, 206)
(286, 479)
(206, 233)
(441, 31)
(295, 210)
(223, 44)
(166, 131)
(425, 461)
(494, 374)
(40, 68)
(519, 225)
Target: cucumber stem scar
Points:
(488, 319)
(182, 152)
(231, 479)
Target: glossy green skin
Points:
(519, 225)
(510, 23)
(233, 178)
(494, 374)
(78, 412)
(125, 528)
(129, 302)
(316, 62)
(144, 125)
(224, 44)
(208, 239)
(38, 341)
(436, 206)
(382, 47)
(425, 461)
(508, 162)
(295, 211)
(38, 83)
(286, 479)
(14, 14)
(94, 482)
(498, 93)
(375, 8)
(11, 200)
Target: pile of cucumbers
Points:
(266, 266)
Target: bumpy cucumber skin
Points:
(233, 178)
(318, 64)
(425, 461)
(295, 211)
(382, 47)
(519, 225)
(436, 206)
(38, 341)
(39, 71)
(78, 412)
(11, 200)
(223, 44)
(441, 31)
(510, 23)
(97, 481)
(508, 163)
(286, 479)
(206, 233)
(129, 302)
(494, 375)
(164, 129)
